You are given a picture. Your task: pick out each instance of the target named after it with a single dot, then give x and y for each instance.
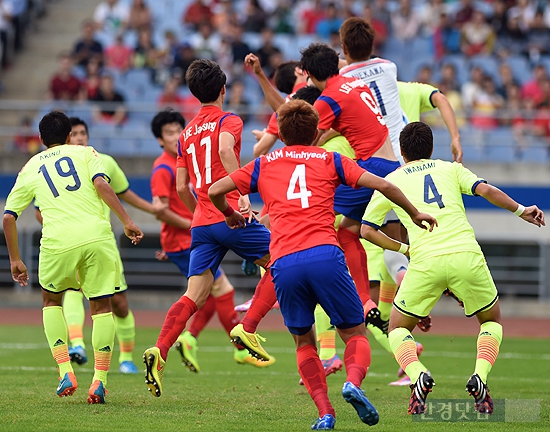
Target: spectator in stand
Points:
(197, 13)
(267, 50)
(506, 80)
(405, 21)
(431, 16)
(524, 10)
(205, 42)
(236, 102)
(446, 37)
(514, 41)
(239, 48)
(170, 97)
(87, 47)
(6, 27)
(112, 16)
(381, 12)
(186, 56)
(309, 14)
(424, 75)
(534, 89)
(26, 139)
(225, 17)
(334, 41)
(256, 18)
(330, 23)
(471, 87)
(140, 16)
(477, 37)
(110, 104)
(64, 85)
(118, 56)
(448, 77)
(282, 17)
(146, 56)
(464, 13)
(498, 20)
(538, 37)
(93, 78)
(486, 104)
(380, 30)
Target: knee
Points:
(221, 286)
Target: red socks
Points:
(312, 373)
(225, 306)
(356, 258)
(202, 317)
(174, 323)
(262, 302)
(357, 358)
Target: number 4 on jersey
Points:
(429, 187)
(298, 179)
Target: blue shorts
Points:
(181, 259)
(210, 243)
(352, 202)
(316, 275)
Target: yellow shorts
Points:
(93, 267)
(465, 273)
(375, 263)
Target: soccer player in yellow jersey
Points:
(447, 257)
(69, 183)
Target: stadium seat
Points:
(460, 65)
(488, 64)
(534, 154)
(520, 68)
(472, 153)
(501, 153)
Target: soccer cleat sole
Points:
(178, 346)
(238, 341)
(150, 380)
(95, 399)
(365, 410)
(69, 391)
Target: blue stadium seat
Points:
(472, 153)
(442, 142)
(119, 145)
(501, 153)
(488, 64)
(149, 147)
(520, 68)
(534, 154)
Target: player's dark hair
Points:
(320, 61)
(357, 35)
(284, 77)
(297, 122)
(205, 79)
(54, 128)
(77, 121)
(167, 116)
(417, 141)
(308, 93)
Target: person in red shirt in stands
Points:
(64, 85)
(297, 184)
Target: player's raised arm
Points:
(271, 94)
(495, 196)
(394, 194)
(216, 193)
(107, 194)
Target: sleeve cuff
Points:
(11, 213)
(105, 176)
(431, 94)
(475, 185)
(372, 225)
(125, 190)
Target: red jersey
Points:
(163, 184)
(347, 106)
(297, 185)
(272, 126)
(198, 152)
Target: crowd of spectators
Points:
(222, 30)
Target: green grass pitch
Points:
(226, 396)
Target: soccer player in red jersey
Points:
(347, 106)
(175, 240)
(208, 150)
(297, 185)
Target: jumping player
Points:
(69, 183)
(438, 259)
(208, 149)
(303, 237)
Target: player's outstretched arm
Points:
(172, 218)
(130, 197)
(500, 199)
(184, 191)
(216, 193)
(440, 101)
(394, 194)
(18, 268)
(272, 96)
(382, 240)
(107, 194)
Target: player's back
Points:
(61, 180)
(381, 77)
(348, 106)
(198, 151)
(297, 185)
(436, 187)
